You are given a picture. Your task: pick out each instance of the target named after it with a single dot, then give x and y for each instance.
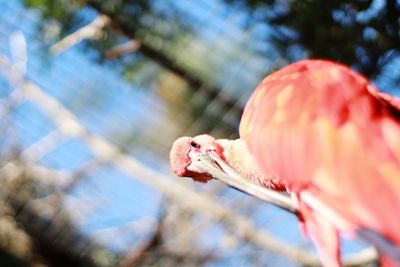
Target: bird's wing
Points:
(319, 126)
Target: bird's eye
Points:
(194, 144)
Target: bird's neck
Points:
(238, 156)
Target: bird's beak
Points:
(198, 166)
(199, 162)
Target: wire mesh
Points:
(84, 148)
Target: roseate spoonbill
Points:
(325, 134)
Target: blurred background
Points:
(93, 93)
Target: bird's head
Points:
(183, 154)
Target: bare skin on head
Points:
(234, 152)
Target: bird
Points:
(323, 133)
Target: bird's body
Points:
(334, 141)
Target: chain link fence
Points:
(84, 168)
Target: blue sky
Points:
(106, 104)
(72, 77)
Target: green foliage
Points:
(168, 34)
(10, 260)
(360, 33)
(59, 9)
(152, 26)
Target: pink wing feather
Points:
(324, 130)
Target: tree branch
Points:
(89, 31)
(211, 91)
(105, 151)
(139, 254)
